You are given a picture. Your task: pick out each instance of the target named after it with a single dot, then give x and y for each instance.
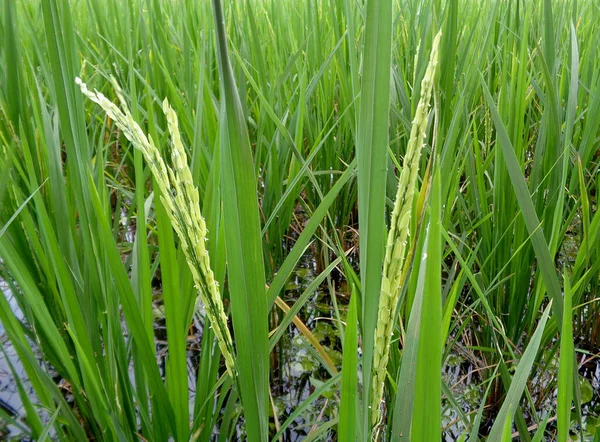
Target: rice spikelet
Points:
(182, 203)
(397, 236)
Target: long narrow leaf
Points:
(519, 382)
(371, 152)
(243, 243)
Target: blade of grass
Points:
(539, 434)
(135, 322)
(21, 207)
(405, 396)
(371, 152)
(306, 403)
(11, 60)
(308, 231)
(428, 383)
(566, 365)
(322, 430)
(527, 209)
(349, 390)
(49, 425)
(176, 367)
(519, 382)
(243, 244)
(33, 420)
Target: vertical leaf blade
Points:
(566, 367)
(519, 382)
(243, 244)
(530, 217)
(428, 385)
(349, 398)
(371, 152)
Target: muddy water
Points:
(298, 372)
(10, 402)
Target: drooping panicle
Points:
(182, 204)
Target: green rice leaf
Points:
(371, 152)
(518, 384)
(243, 243)
(349, 393)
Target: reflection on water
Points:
(297, 371)
(10, 402)
(300, 372)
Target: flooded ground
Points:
(301, 372)
(10, 402)
(298, 372)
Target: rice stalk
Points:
(397, 236)
(182, 203)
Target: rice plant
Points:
(282, 221)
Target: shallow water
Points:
(10, 401)
(298, 371)
(460, 372)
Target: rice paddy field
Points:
(313, 220)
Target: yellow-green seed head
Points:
(395, 253)
(182, 204)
